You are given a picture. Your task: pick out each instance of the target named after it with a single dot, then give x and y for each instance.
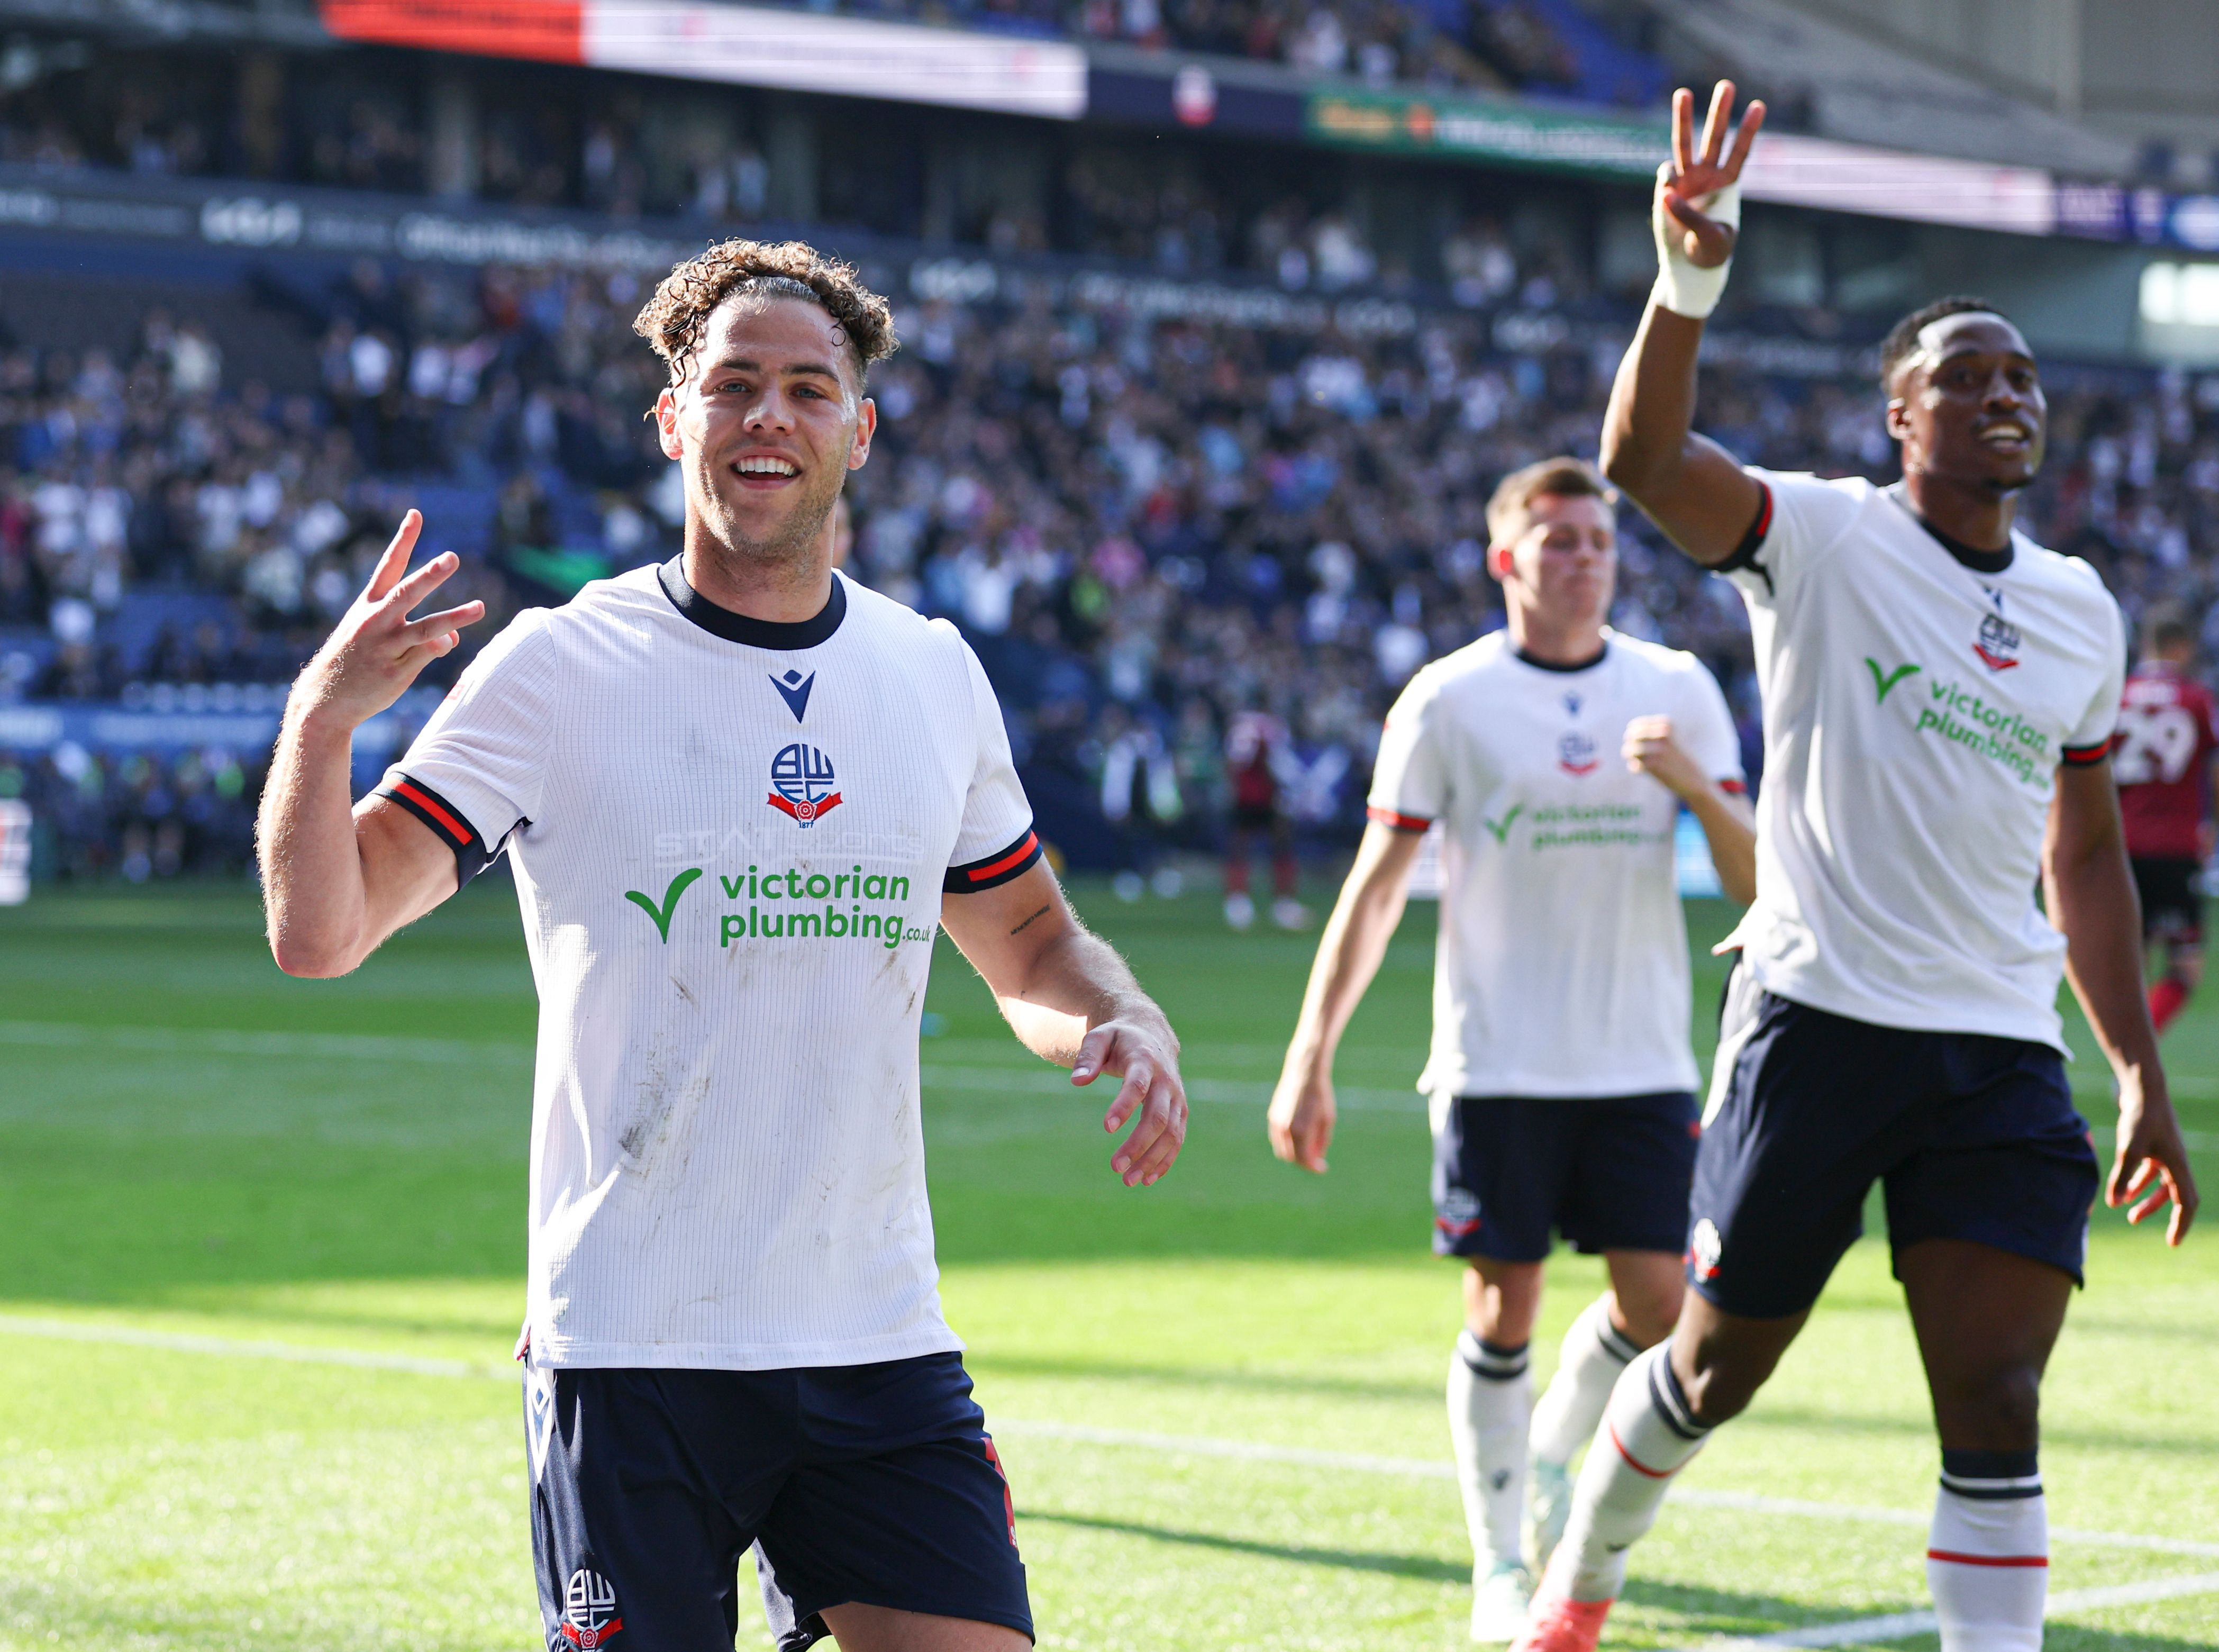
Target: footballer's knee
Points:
(1646, 1289)
(2185, 964)
(1502, 1300)
(1721, 1359)
(1991, 1408)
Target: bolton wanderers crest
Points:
(589, 1610)
(802, 784)
(1575, 754)
(1998, 646)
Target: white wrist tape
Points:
(1683, 287)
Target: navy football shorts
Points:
(2173, 905)
(869, 1484)
(1610, 1173)
(1972, 1137)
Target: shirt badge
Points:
(793, 688)
(1997, 644)
(589, 1610)
(801, 782)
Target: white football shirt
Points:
(1561, 968)
(1917, 704)
(731, 838)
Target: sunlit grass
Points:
(319, 1195)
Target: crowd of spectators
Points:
(1147, 528)
(69, 107)
(1113, 200)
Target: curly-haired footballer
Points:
(741, 795)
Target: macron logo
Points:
(793, 689)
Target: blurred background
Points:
(1220, 319)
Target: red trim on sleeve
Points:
(430, 805)
(1733, 788)
(997, 868)
(980, 874)
(1399, 822)
(2087, 756)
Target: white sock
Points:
(1595, 1353)
(1987, 1561)
(1648, 1435)
(1490, 1406)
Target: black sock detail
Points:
(1991, 1465)
(1992, 1476)
(1671, 1404)
(1615, 1343)
(1492, 1360)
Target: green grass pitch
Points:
(261, 1246)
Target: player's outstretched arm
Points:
(1071, 999)
(2092, 900)
(1689, 486)
(1348, 955)
(336, 881)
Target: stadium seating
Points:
(1143, 525)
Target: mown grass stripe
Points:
(94, 1331)
(177, 1342)
(1014, 1079)
(367, 1046)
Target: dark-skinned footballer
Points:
(1940, 694)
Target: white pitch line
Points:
(211, 1041)
(1901, 1625)
(179, 1342)
(1429, 1469)
(217, 1040)
(1077, 1433)
(1043, 1082)
(1048, 1083)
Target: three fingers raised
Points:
(1725, 146)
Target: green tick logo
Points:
(1882, 684)
(1501, 829)
(679, 885)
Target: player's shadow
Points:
(1423, 1567)
(1825, 1421)
(1701, 1614)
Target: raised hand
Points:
(1694, 174)
(376, 651)
(1152, 1093)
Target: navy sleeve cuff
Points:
(995, 868)
(2087, 756)
(448, 824)
(1744, 553)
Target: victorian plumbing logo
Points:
(850, 906)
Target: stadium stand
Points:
(1845, 82)
(1145, 525)
(151, 118)
(1183, 426)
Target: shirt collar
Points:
(782, 634)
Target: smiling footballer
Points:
(740, 794)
